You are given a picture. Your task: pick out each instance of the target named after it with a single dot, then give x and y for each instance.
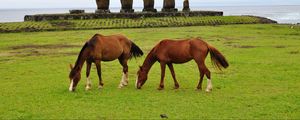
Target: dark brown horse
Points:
(168, 52)
(103, 48)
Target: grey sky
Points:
(137, 3)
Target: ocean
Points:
(289, 14)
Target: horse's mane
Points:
(81, 54)
(78, 61)
(150, 58)
(151, 53)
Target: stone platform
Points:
(83, 16)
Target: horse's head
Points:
(141, 78)
(74, 78)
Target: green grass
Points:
(126, 23)
(262, 81)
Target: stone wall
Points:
(48, 17)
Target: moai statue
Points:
(102, 6)
(126, 6)
(149, 6)
(169, 6)
(186, 6)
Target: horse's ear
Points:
(71, 66)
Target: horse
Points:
(168, 51)
(103, 48)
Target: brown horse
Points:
(168, 52)
(103, 48)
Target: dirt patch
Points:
(26, 53)
(5, 60)
(229, 38)
(69, 53)
(50, 46)
(294, 52)
(223, 38)
(280, 46)
(244, 46)
(229, 43)
(38, 53)
(42, 50)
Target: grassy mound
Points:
(129, 23)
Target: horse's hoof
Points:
(125, 84)
(199, 88)
(71, 89)
(121, 86)
(160, 88)
(100, 87)
(208, 90)
(176, 87)
(88, 88)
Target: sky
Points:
(6, 4)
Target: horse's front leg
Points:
(163, 68)
(88, 80)
(124, 80)
(98, 65)
(176, 85)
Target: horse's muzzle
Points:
(138, 86)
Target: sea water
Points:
(282, 14)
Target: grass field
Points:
(128, 23)
(262, 81)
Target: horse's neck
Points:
(78, 65)
(81, 59)
(149, 61)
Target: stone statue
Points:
(126, 6)
(169, 6)
(102, 6)
(186, 6)
(149, 6)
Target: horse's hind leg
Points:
(199, 86)
(98, 65)
(176, 85)
(88, 80)
(124, 80)
(203, 70)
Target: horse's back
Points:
(108, 48)
(175, 51)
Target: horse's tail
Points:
(135, 51)
(217, 58)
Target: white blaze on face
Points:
(71, 86)
(136, 82)
(209, 85)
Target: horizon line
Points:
(142, 7)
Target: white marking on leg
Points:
(71, 86)
(209, 85)
(88, 83)
(124, 80)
